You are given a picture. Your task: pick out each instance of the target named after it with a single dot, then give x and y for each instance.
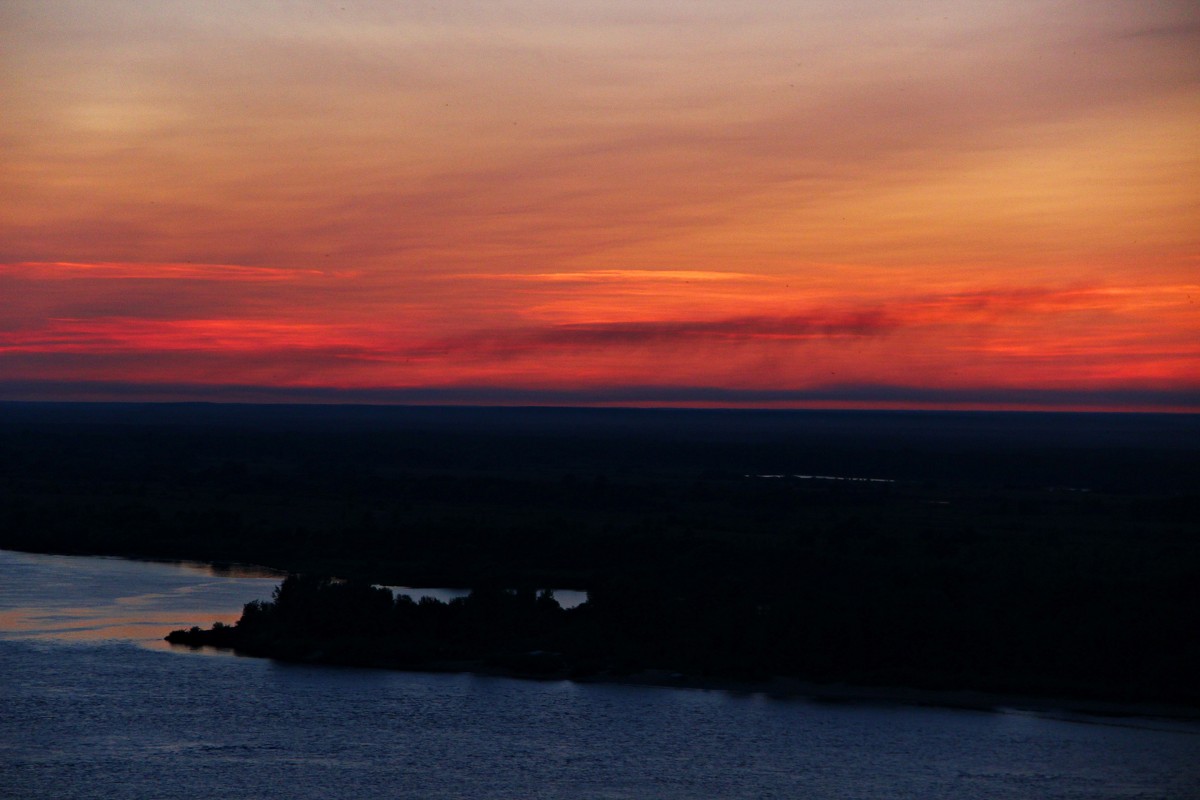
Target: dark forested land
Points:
(1040, 553)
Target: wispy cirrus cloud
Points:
(606, 276)
(659, 333)
(108, 335)
(36, 293)
(812, 323)
(231, 336)
(76, 270)
(1041, 336)
(1011, 303)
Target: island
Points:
(824, 641)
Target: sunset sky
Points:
(917, 204)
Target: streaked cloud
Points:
(617, 276)
(148, 337)
(580, 195)
(66, 270)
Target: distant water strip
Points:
(824, 478)
(567, 598)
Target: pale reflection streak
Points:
(87, 599)
(97, 624)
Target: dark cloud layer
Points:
(652, 332)
(865, 394)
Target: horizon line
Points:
(878, 397)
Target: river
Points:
(93, 704)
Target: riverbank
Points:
(776, 687)
(527, 635)
(794, 688)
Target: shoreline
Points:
(783, 688)
(776, 687)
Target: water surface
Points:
(92, 706)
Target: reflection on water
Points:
(567, 598)
(87, 711)
(86, 598)
(139, 601)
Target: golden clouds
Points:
(539, 193)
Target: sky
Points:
(840, 204)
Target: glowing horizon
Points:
(708, 204)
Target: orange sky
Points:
(835, 203)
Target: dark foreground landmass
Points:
(526, 634)
(1035, 554)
